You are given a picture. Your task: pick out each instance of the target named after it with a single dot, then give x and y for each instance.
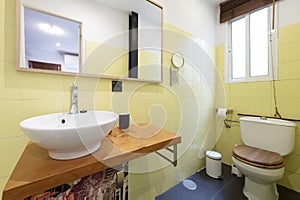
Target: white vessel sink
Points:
(68, 136)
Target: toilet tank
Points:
(270, 134)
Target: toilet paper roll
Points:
(221, 112)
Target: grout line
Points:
(232, 179)
(15, 137)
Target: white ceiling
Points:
(37, 39)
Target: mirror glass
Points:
(91, 38)
(51, 42)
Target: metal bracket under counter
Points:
(173, 151)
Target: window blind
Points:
(233, 8)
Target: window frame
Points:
(272, 49)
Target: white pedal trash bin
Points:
(214, 164)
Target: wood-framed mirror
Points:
(100, 36)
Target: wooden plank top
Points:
(36, 172)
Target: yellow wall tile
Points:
(31, 108)
(104, 105)
(10, 12)
(172, 123)
(292, 163)
(260, 89)
(2, 43)
(289, 34)
(67, 82)
(240, 104)
(290, 180)
(10, 43)
(2, 11)
(289, 52)
(228, 139)
(297, 145)
(287, 88)
(200, 90)
(227, 88)
(104, 85)
(297, 130)
(137, 179)
(260, 106)
(139, 110)
(49, 86)
(220, 59)
(87, 90)
(11, 118)
(10, 151)
(220, 51)
(9, 82)
(172, 109)
(103, 96)
(239, 90)
(289, 107)
(289, 70)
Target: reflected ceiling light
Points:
(57, 44)
(51, 29)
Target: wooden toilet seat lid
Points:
(258, 157)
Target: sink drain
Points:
(191, 185)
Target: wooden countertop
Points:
(36, 172)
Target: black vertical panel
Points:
(133, 46)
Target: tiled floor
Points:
(230, 188)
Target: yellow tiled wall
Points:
(25, 94)
(191, 100)
(257, 98)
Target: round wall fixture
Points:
(177, 60)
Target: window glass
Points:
(238, 48)
(259, 52)
(249, 48)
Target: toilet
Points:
(259, 159)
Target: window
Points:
(251, 49)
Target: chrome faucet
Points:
(74, 99)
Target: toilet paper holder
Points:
(227, 125)
(227, 122)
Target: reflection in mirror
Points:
(51, 42)
(101, 46)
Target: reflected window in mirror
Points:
(51, 42)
